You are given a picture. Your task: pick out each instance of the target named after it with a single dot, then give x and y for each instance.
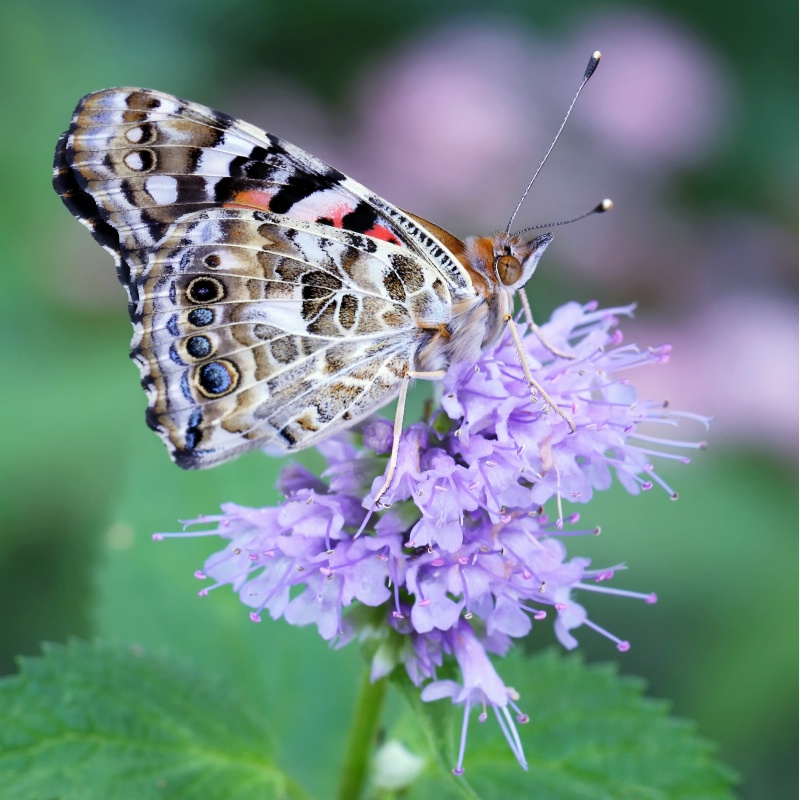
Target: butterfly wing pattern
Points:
(274, 300)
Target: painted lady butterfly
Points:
(274, 300)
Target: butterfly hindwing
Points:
(264, 333)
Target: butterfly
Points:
(274, 300)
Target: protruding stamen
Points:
(459, 768)
(509, 730)
(650, 599)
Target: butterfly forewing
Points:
(146, 158)
(274, 300)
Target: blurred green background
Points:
(444, 108)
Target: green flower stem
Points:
(362, 738)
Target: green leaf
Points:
(94, 721)
(146, 594)
(591, 736)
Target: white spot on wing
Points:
(206, 232)
(134, 161)
(233, 142)
(134, 135)
(162, 188)
(327, 203)
(213, 163)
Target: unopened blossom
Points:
(459, 559)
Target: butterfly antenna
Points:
(600, 208)
(590, 68)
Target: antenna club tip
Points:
(605, 205)
(592, 65)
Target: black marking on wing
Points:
(193, 437)
(366, 243)
(193, 157)
(80, 203)
(287, 436)
(360, 219)
(137, 100)
(192, 190)
(227, 188)
(221, 119)
(155, 226)
(300, 186)
(151, 419)
(249, 172)
(128, 191)
(254, 169)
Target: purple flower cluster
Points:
(460, 559)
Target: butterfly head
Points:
(506, 260)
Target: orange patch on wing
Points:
(379, 232)
(250, 198)
(336, 216)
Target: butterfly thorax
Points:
(497, 265)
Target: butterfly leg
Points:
(436, 375)
(526, 371)
(536, 330)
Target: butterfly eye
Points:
(508, 269)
